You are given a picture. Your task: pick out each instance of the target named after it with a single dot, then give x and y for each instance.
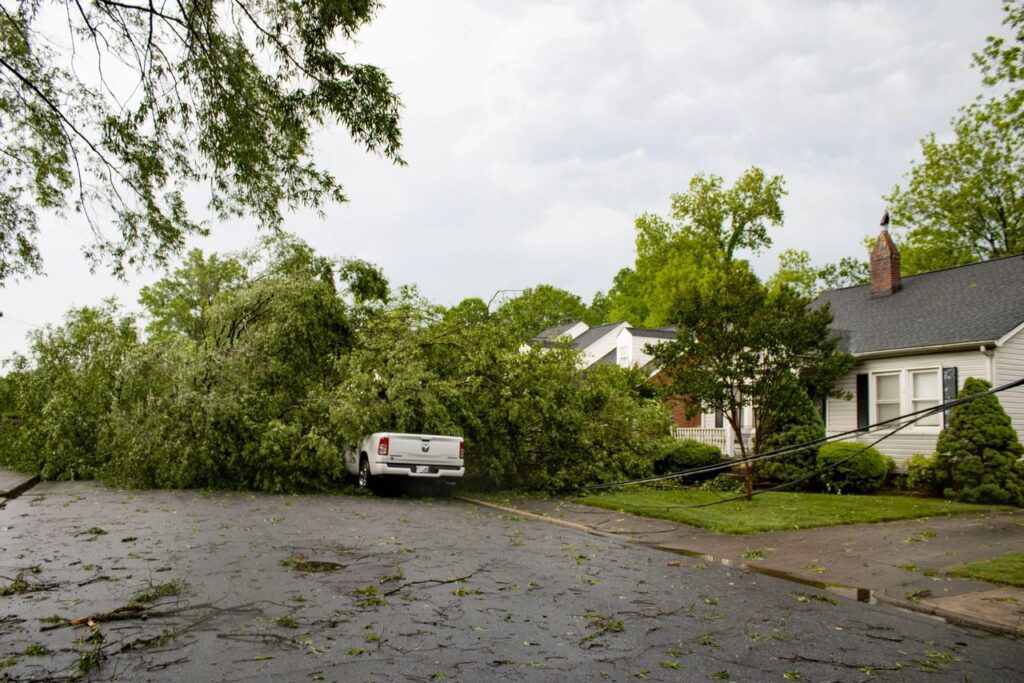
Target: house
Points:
(597, 344)
(917, 338)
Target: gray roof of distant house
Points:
(607, 358)
(555, 331)
(593, 334)
(654, 333)
(980, 303)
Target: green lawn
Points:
(776, 511)
(1008, 569)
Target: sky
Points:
(536, 131)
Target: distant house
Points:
(917, 338)
(623, 345)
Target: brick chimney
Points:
(885, 265)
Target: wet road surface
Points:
(166, 585)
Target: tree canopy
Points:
(797, 271)
(147, 100)
(962, 202)
(708, 225)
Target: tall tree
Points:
(162, 96)
(179, 303)
(963, 202)
(708, 225)
(740, 344)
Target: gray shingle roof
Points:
(592, 335)
(555, 331)
(658, 333)
(980, 303)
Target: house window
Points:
(925, 393)
(887, 396)
(906, 391)
(623, 356)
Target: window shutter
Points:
(950, 381)
(863, 402)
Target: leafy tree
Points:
(537, 309)
(978, 453)
(599, 310)
(223, 93)
(179, 303)
(63, 392)
(797, 271)
(708, 225)
(740, 344)
(962, 202)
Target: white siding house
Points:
(917, 339)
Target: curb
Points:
(20, 488)
(858, 594)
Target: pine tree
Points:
(979, 454)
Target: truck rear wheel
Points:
(364, 473)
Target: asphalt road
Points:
(233, 586)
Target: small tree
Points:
(740, 344)
(979, 454)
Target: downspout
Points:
(991, 355)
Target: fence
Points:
(720, 438)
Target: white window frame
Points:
(906, 397)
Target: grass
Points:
(776, 511)
(1008, 569)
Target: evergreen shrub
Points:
(978, 453)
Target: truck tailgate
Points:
(424, 449)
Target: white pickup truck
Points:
(406, 455)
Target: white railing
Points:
(716, 437)
(712, 437)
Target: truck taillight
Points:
(382, 446)
(462, 450)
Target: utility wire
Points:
(729, 464)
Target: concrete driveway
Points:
(164, 585)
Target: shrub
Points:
(852, 467)
(802, 423)
(922, 474)
(978, 453)
(684, 454)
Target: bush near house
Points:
(685, 454)
(800, 423)
(922, 474)
(978, 453)
(851, 467)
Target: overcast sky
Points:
(535, 132)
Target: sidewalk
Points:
(12, 483)
(897, 563)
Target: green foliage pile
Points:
(685, 454)
(799, 422)
(978, 453)
(261, 382)
(852, 468)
